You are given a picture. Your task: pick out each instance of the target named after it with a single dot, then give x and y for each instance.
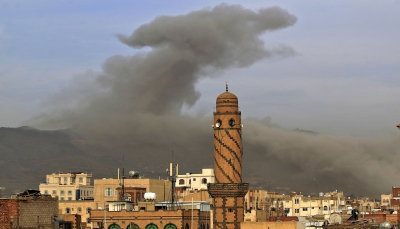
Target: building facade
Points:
(228, 191)
(192, 181)
(68, 186)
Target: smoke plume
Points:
(133, 107)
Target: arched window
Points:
(187, 226)
(79, 209)
(114, 226)
(325, 208)
(88, 210)
(170, 226)
(151, 226)
(204, 181)
(181, 181)
(202, 226)
(108, 192)
(132, 226)
(67, 210)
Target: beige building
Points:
(68, 186)
(191, 181)
(106, 189)
(77, 207)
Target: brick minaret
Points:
(228, 191)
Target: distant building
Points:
(191, 181)
(68, 186)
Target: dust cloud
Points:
(133, 107)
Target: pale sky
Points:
(344, 79)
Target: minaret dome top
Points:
(227, 102)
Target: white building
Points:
(68, 186)
(192, 181)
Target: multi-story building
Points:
(68, 186)
(192, 181)
(107, 189)
(385, 200)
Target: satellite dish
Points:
(335, 219)
(385, 225)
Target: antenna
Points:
(173, 172)
(226, 85)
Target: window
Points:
(230, 210)
(296, 201)
(170, 226)
(116, 192)
(79, 209)
(88, 210)
(69, 198)
(67, 211)
(194, 179)
(80, 179)
(65, 179)
(62, 192)
(69, 192)
(108, 192)
(204, 181)
(151, 226)
(114, 226)
(296, 210)
(61, 198)
(325, 208)
(181, 181)
(46, 192)
(305, 209)
(132, 226)
(54, 192)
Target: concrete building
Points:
(106, 189)
(28, 212)
(191, 181)
(385, 200)
(68, 186)
(228, 191)
(151, 215)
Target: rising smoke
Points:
(135, 104)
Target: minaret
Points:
(228, 191)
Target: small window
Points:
(88, 210)
(204, 181)
(61, 198)
(80, 179)
(305, 209)
(108, 192)
(67, 211)
(46, 192)
(194, 179)
(169, 226)
(54, 192)
(65, 179)
(114, 226)
(325, 208)
(151, 226)
(79, 209)
(62, 192)
(69, 198)
(181, 181)
(69, 192)
(296, 201)
(297, 210)
(230, 210)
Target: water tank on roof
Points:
(133, 174)
(321, 194)
(149, 196)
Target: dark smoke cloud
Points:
(134, 106)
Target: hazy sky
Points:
(344, 78)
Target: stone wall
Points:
(8, 213)
(37, 212)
